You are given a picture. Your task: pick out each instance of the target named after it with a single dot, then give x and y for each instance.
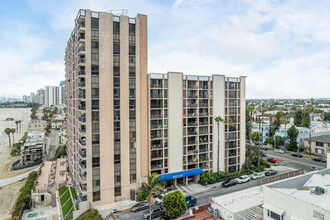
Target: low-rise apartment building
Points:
(33, 149)
(319, 144)
(37, 125)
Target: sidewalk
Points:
(11, 180)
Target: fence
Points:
(15, 167)
(280, 177)
(25, 207)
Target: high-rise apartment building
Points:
(123, 124)
(54, 95)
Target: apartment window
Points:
(116, 70)
(132, 59)
(95, 70)
(274, 215)
(95, 92)
(132, 28)
(117, 158)
(116, 48)
(95, 23)
(131, 49)
(116, 38)
(96, 196)
(95, 116)
(96, 183)
(132, 39)
(319, 144)
(95, 162)
(95, 44)
(95, 57)
(95, 35)
(117, 191)
(95, 104)
(95, 127)
(116, 27)
(116, 61)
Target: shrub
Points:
(141, 196)
(60, 151)
(174, 204)
(25, 193)
(91, 214)
(14, 152)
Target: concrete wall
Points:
(175, 116)
(219, 110)
(242, 121)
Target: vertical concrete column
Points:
(175, 124)
(218, 110)
(242, 121)
(106, 107)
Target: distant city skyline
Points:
(282, 47)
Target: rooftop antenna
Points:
(119, 12)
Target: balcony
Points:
(82, 107)
(83, 187)
(156, 85)
(203, 114)
(81, 37)
(82, 119)
(81, 73)
(81, 84)
(81, 61)
(82, 166)
(156, 115)
(83, 177)
(156, 166)
(192, 152)
(192, 114)
(82, 153)
(81, 27)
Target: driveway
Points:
(11, 180)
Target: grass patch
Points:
(66, 207)
(62, 190)
(73, 193)
(65, 196)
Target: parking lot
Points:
(130, 215)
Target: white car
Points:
(243, 179)
(279, 151)
(257, 176)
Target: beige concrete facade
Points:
(93, 62)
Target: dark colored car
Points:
(314, 168)
(264, 155)
(230, 182)
(296, 155)
(263, 148)
(319, 159)
(164, 216)
(140, 206)
(270, 172)
(272, 160)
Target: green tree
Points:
(306, 119)
(278, 120)
(279, 141)
(255, 137)
(174, 204)
(285, 120)
(247, 164)
(250, 110)
(292, 136)
(153, 187)
(8, 132)
(228, 122)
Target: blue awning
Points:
(170, 176)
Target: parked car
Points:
(155, 212)
(272, 160)
(296, 155)
(140, 206)
(314, 168)
(263, 148)
(243, 179)
(230, 182)
(319, 159)
(164, 217)
(264, 155)
(159, 199)
(279, 151)
(270, 172)
(257, 176)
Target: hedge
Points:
(25, 194)
(91, 214)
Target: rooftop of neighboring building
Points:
(241, 200)
(322, 139)
(303, 188)
(61, 173)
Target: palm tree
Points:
(251, 110)
(285, 120)
(219, 120)
(259, 121)
(262, 109)
(17, 122)
(8, 131)
(153, 186)
(13, 132)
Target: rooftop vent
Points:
(319, 190)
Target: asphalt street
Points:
(295, 162)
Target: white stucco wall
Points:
(175, 115)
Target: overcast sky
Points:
(282, 46)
